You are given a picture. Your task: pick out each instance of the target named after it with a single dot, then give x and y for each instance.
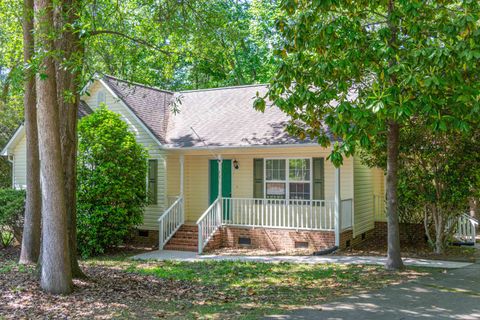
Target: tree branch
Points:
(133, 39)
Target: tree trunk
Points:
(394, 260)
(473, 207)
(31, 229)
(56, 275)
(69, 46)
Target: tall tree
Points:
(31, 229)
(56, 275)
(69, 65)
(366, 68)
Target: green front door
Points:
(226, 183)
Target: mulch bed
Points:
(108, 293)
(373, 247)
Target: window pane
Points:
(299, 190)
(299, 169)
(275, 190)
(275, 170)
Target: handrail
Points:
(214, 203)
(297, 214)
(466, 228)
(209, 223)
(170, 221)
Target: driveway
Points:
(446, 294)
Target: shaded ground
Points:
(368, 248)
(376, 248)
(120, 288)
(453, 294)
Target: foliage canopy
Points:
(111, 193)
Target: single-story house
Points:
(221, 173)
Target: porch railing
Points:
(279, 213)
(466, 229)
(170, 221)
(347, 214)
(209, 223)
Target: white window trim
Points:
(287, 176)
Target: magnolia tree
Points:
(438, 175)
(367, 68)
(111, 192)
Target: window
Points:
(288, 179)
(152, 181)
(299, 178)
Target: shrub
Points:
(12, 208)
(111, 192)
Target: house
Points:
(222, 174)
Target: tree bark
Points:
(69, 46)
(56, 276)
(394, 259)
(31, 229)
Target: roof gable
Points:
(150, 105)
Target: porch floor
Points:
(194, 257)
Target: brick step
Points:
(181, 247)
(186, 235)
(179, 241)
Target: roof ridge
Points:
(224, 88)
(138, 84)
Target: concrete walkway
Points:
(192, 256)
(454, 294)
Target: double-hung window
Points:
(288, 179)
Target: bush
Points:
(111, 192)
(12, 208)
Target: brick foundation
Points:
(147, 238)
(347, 240)
(287, 239)
(276, 239)
(410, 233)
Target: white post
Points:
(338, 203)
(182, 162)
(220, 211)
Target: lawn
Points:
(120, 288)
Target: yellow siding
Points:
(152, 212)
(197, 168)
(365, 184)
(20, 164)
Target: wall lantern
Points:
(235, 164)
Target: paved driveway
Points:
(452, 294)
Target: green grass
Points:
(247, 290)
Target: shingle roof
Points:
(226, 117)
(150, 105)
(83, 109)
(222, 117)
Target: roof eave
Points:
(13, 141)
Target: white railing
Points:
(347, 217)
(170, 221)
(279, 213)
(171, 200)
(209, 223)
(466, 229)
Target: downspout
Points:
(11, 159)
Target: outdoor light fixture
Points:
(235, 164)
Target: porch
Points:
(219, 193)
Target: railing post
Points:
(338, 226)
(200, 238)
(160, 236)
